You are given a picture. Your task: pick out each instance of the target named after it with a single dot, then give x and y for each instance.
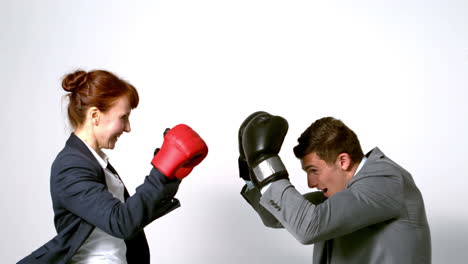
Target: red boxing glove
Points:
(181, 151)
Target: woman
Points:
(95, 219)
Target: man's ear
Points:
(94, 115)
(344, 161)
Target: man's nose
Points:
(311, 181)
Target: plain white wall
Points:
(394, 71)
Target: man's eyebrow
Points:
(308, 167)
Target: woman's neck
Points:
(87, 135)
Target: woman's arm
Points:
(76, 187)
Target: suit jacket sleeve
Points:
(76, 187)
(368, 201)
(253, 195)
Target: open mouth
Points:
(325, 190)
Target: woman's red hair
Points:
(98, 88)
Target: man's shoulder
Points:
(378, 163)
(378, 168)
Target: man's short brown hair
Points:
(328, 137)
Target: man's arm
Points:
(368, 201)
(252, 195)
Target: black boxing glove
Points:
(244, 170)
(261, 140)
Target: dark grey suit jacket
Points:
(81, 202)
(379, 218)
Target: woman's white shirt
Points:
(101, 247)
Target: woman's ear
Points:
(94, 115)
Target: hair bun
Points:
(74, 80)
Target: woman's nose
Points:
(127, 127)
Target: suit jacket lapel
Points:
(75, 142)
(319, 255)
(369, 167)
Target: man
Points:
(368, 209)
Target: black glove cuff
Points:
(282, 175)
(269, 170)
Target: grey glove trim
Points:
(268, 167)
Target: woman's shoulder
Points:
(74, 154)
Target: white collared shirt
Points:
(101, 247)
(361, 164)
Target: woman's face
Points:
(113, 123)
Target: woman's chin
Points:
(111, 145)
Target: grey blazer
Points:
(379, 217)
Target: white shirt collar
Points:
(361, 164)
(102, 158)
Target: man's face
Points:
(328, 178)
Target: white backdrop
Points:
(394, 71)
